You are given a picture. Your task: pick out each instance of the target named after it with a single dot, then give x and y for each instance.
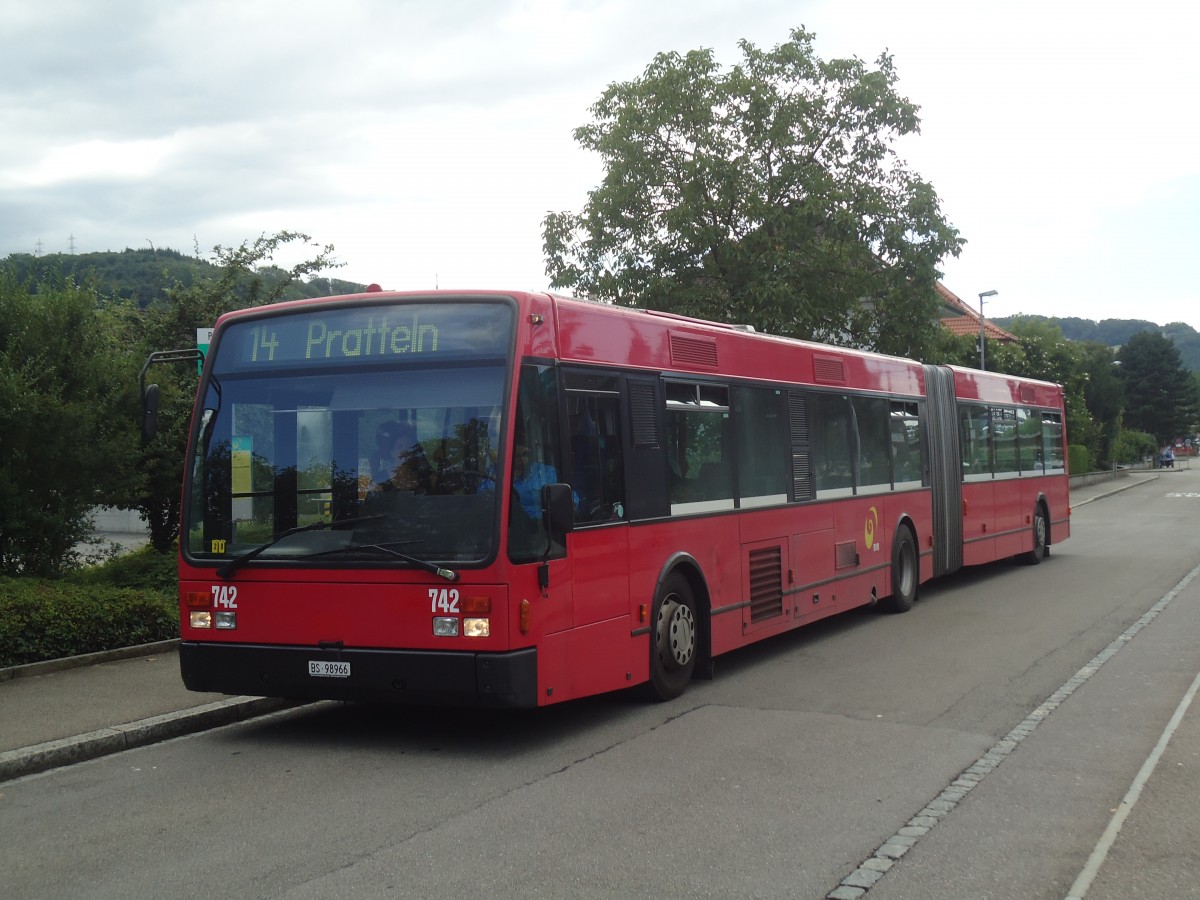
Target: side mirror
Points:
(558, 508)
(150, 398)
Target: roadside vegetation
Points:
(72, 348)
(126, 601)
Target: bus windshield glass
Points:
(375, 428)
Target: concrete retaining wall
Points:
(119, 521)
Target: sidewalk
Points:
(65, 711)
(1122, 481)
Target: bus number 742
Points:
(444, 600)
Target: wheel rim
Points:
(676, 633)
(1039, 532)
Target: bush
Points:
(145, 568)
(42, 619)
(1079, 460)
(1133, 446)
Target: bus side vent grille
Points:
(766, 583)
(643, 414)
(829, 370)
(845, 555)
(693, 351)
(802, 474)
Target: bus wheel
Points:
(673, 651)
(1041, 535)
(905, 574)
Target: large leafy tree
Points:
(769, 194)
(64, 390)
(1104, 394)
(1160, 394)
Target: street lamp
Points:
(983, 367)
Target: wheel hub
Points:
(676, 633)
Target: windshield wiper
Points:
(234, 564)
(432, 568)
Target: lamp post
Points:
(982, 366)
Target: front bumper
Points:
(420, 677)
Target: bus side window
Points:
(761, 429)
(833, 455)
(874, 459)
(975, 433)
(906, 444)
(1004, 440)
(1029, 441)
(537, 461)
(597, 464)
(1052, 441)
(699, 447)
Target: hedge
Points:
(47, 619)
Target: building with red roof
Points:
(958, 318)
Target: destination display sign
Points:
(367, 335)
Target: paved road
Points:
(959, 768)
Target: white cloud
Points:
(427, 141)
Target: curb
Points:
(1115, 490)
(87, 659)
(67, 751)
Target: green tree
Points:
(245, 276)
(65, 389)
(1160, 395)
(768, 194)
(1104, 394)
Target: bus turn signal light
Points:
(196, 600)
(523, 615)
(477, 606)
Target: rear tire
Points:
(674, 639)
(906, 574)
(1041, 538)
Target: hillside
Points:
(1115, 332)
(145, 275)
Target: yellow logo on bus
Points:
(872, 525)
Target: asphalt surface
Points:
(66, 711)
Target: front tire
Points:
(674, 642)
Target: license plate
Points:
(321, 668)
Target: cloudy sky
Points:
(427, 140)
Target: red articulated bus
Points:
(511, 499)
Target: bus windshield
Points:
(386, 419)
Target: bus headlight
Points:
(477, 627)
(200, 618)
(227, 620)
(445, 626)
